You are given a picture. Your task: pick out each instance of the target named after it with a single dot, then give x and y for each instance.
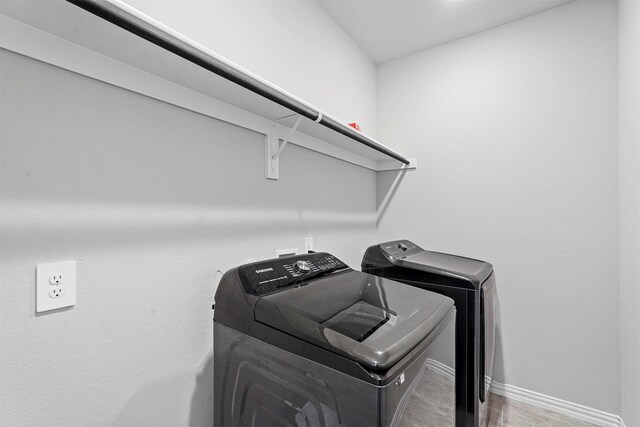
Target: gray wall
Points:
(629, 56)
(516, 134)
(150, 200)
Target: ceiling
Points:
(389, 29)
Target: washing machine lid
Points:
(407, 254)
(368, 319)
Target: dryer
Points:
(307, 341)
(471, 284)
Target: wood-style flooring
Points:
(510, 413)
(434, 395)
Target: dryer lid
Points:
(473, 270)
(466, 272)
(370, 320)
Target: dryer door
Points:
(488, 305)
(430, 400)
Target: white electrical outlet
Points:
(55, 285)
(308, 244)
(56, 292)
(56, 279)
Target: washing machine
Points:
(471, 284)
(308, 341)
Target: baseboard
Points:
(554, 404)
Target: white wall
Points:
(629, 94)
(151, 200)
(294, 44)
(516, 134)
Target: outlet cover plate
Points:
(44, 286)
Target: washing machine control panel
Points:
(264, 277)
(302, 267)
(400, 249)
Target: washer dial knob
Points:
(302, 267)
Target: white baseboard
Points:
(554, 404)
(540, 400)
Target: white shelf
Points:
(63, 34)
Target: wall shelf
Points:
(110, 41)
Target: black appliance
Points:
(471, 284)
(307, 341)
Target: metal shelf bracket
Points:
(274, 148)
